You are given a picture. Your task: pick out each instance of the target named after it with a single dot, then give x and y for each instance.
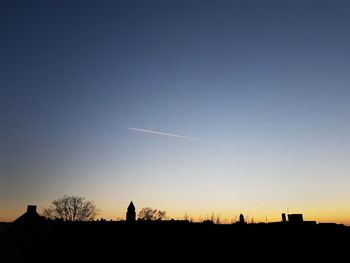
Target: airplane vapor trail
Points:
(164, 133)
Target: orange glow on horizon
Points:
(224, 217)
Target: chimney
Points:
(31, 209)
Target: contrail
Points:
(164, 133)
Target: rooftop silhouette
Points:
(197, 240)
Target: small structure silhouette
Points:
(241, 219)
(130, 213)
(284, 219)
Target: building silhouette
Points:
(130, 213)
(241, 219)
(295, 218)
(30, 216)
(28, 221)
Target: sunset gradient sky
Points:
(256, 93)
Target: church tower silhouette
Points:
(130, 213)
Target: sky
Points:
(186, 106)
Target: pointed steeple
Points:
(130, 213)
(131, 206)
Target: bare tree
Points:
(218, 219)
(147, 213)
(160, 215)
(234, 219)
(212, 217)
(71, 208)
(225, 221)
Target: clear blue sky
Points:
(264, 85)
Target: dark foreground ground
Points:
(174, 242)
